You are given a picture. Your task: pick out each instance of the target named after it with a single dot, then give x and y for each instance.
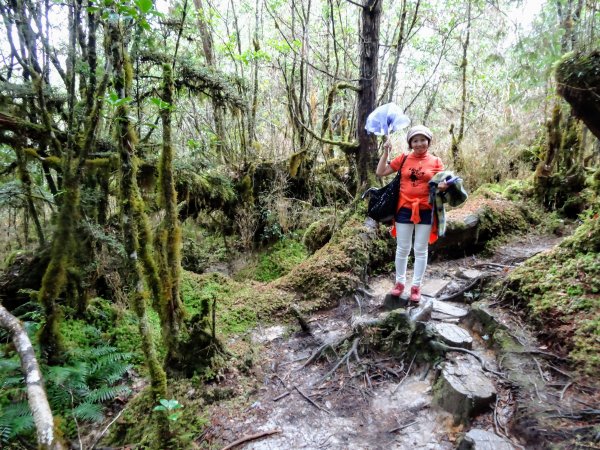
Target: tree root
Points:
(251, 438)
(346, 359)
(436, 345)
(464, 289)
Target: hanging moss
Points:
(295, 162)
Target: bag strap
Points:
(402, 164)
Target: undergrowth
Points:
(77, 391)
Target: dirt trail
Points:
(379, 403)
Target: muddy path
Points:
(376, 400)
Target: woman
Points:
(414, 214)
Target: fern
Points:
(15, 419)
(114, 373)
(12, 381)
(9, 364)
(74, 390)
(90, 412)
(106, 393)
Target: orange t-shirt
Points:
(414, 181)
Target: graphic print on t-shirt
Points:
(415, 175)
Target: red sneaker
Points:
(398, 290)
(415, 294)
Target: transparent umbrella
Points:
(386, 119)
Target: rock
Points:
(463, 390)
(449, 309)
(478, 439)
(432, 288)
(391, 302)
(452, 335)
(468, 274)
(444, 318)
(423, 312)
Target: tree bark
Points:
(36, 395)
(369, 36)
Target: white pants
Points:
(404, 237)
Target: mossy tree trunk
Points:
(169, 233)
(131, 203)
(63, 148)
(25, 178)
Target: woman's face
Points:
(419, 144)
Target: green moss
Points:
(333, 271)
(277, 261)
(511, 189)
(239, 305)
(318, 234)
(561, 288)
(79, 334)
(125, 336)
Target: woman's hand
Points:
(387, 144)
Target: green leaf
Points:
(173, 417)
(161, 103)
(169, 404)
(144, 5)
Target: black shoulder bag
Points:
(384, 201)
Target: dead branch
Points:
(36, 396)
(318, 352)
(310, 400)
(252, 437)
(345, 358)
(402, 427)
(279, 397)
(106, 428)
(405, 375)
(562, 393)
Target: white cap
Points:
(419, 129)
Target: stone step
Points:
(468, 274)
(478, 439)
(463, 389)
(433, 287)
(452, 335)
(449, 309)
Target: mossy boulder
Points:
(318, 234)
(335, 270)
(486, 215)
